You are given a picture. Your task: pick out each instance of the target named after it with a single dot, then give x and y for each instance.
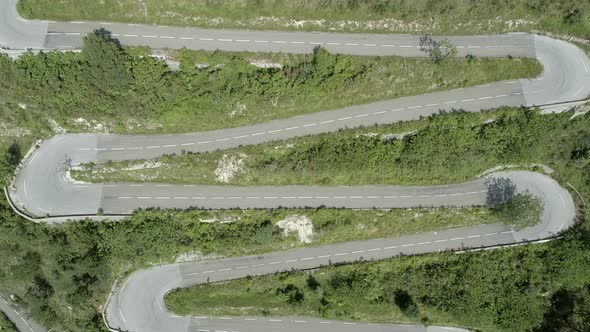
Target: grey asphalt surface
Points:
(42, 188)
(21, 320)
(138, 304)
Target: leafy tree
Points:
(499, 190)
(437, 50)
(572, 16)
(294, 295)
(149, 76)
(312, 282)
(523, 210)
(405, 302)
(105, 63)
(323, 63)
(13, 155)
(569, 311)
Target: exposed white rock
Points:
(56, 127)
(300, 224)
(228, 166)
(143, 165)
(265, 64)
(239, 110)
(68, 177)
(12, 131)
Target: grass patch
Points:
(445, 16)
(436, 150)
(139, 94)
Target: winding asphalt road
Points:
(138, 304)
(43, 192)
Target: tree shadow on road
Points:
(500, 190)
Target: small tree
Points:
(437, 50)
(312, 283)
(13, 155)
(104, 59)
(323, 63)
(405, 303)
(293, 294)
(572, 16)
(521, 211)
(499, 190)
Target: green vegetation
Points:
(437, 150)
(518, 289)
(51, 268)
(5, 324)
(417, 16)
(522, 210)
(105, 69)
(19, 128)
(103, 88)
(438, 51)
(237, 232)
(62, 273)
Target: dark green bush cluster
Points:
(104, 81)
(448, 148)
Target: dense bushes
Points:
(63, 273)
(444, 149)
(103, 81)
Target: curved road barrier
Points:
(44, 192)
